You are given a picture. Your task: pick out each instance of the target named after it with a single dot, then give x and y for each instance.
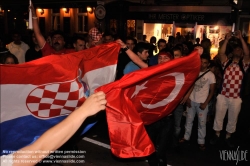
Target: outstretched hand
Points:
(119, 41)
(94, 103)
(228, 36)
(238, 34)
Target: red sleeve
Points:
(47, 49)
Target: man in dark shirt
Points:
(34, 52)
(123, 58)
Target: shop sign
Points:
(179, 17)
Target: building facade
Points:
(160, 18)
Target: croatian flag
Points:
(37, 95)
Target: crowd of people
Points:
(222, 87)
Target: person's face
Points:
(108, 39)
(144, 55)
(177, 54)
(79, 45)
(16, 38)
(212, 69)
(185, 49)
(153, 41)
(161, 45)
(58, 42)
(9, 61)
(163, 58)
(130, 44)
(204, 64)
(238, 52)
(34, 39)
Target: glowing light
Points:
(66, 10)
(89, 9)
(41, 11)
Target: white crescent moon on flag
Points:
(179, 81)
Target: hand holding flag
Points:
(143, 97)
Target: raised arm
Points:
(222, 51)
(40, 39)
(56, 136)
(133, 56)
(244, 46)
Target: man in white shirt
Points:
(18, 47)
(197, 103)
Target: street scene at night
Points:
(125, 82)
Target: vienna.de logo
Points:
(234, 155)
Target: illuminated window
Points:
(131, 28)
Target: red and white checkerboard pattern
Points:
(56, 99)
(232, 81)
(95, 34)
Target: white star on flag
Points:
(138, 88)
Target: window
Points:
(66, 25)
(131, 28)
(82, 20)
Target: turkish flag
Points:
(143, 97)
(39, 94)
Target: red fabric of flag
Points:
(143, 97)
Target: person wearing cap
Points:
(57, 37)
(230, 98)
(164, 56)
(95, 35)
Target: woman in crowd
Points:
(8, 58)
